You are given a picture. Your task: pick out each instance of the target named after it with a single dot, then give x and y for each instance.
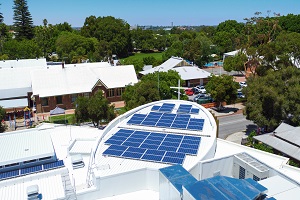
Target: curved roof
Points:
(156, 127)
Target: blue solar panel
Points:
(168, 116)
(149, 146)
(179, 126)
(174, 154)
(172, 141)
(112, 141)
(138, 136)
(166, 107)
(145, 133)
(150, 157)
(10, 174)
(158, 135)
(187, 151)
(118, 147)
(173, 160)
(137, 140)
(31, 169)
(155, 152)
(136, 119)
(54, 165)
(189, 146)
(184, 108)
(170, 144)
(167, 148)
(154, 115)
(194, 111)
(195, 127)
(136, 150)
(174, 136)
(135, 155)
(156, 108)
(112, 152)
(131, 144)
(125, 131)
(148, 141)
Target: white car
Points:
(201, 89)
(243, 84)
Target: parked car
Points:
(189, 92)
(203, 100)
(201, 89)
(240, 95)
(243, 84)
(196, 90)
(200, 96)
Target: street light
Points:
(158, 78)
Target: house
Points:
(192, 75)
(61, 86)
(32, 83)
(162, 150)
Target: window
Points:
(29, 161)
(120, 91)
(12, 165)
(45, 158)
(58, 99)
(242, 173)
(111, 92)
(73, 97)
(44, 101)
(86, 94)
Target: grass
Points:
(157, 56)
(70, 119)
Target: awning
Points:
(57, 111)
(14, 103)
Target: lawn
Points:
(157, 56)
(61, 119)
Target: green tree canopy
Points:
(23, 23)
(81, 111)
(222, 88)
(274, 98)
(111, 30)
(235, 63)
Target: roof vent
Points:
(33, 192)
(77, 161)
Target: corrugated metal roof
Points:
(190, 72)
(279, 144)
(14, 103)
(166, 66)
(82, 146)
(24, 146)
(116, 76)
(25, 63)
(50, 187)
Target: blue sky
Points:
(154, 12)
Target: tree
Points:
(23, 23)
(146, 90)
(3, 126)
(81, 111)
(235, 63)
(113, 31)
(222, 88)
(25, 49)
(1, 17)
(99, 109)
(274, 98)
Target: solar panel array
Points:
(167, 120)
(166, 107)
(185, 108)
(30, 170)
(152, 146)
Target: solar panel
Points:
(184, 108)
(167, 107)
(194, 111)
(112, 152)
(33, 169)
(167, 148)
(188, 151)
(54, 165)
(148, 141)
(136, 119)
(135, 155)
(150, 157)
(155, 152)
(173, 160)
(10, 174)
(156, 108)
(132, 144)
(149, 146)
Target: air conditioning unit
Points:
(77, 161)
(245, 166)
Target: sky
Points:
(154, 12)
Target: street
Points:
(234, 123)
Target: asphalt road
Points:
(234, 123)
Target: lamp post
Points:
(158, 78)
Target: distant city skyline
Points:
(155, 12)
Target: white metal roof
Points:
(166, 66)
(23, 63)
(191, 72)
(116, 76)
(14, 103)
(121, 165)
(59, 81)
(24, 145)
(80, 78)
